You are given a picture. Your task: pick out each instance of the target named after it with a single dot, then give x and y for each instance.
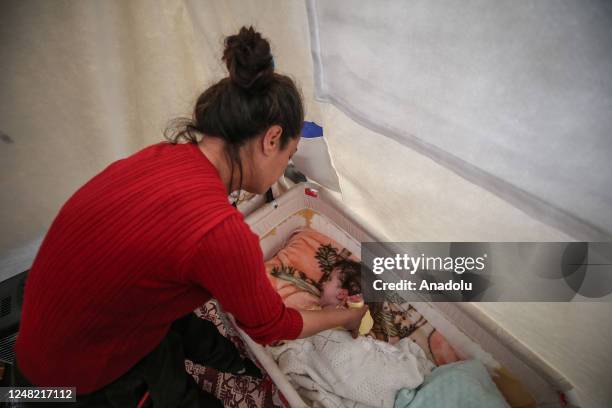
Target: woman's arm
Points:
(315, 321)
(229, 264)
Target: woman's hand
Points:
(354, 317)
(316, 321)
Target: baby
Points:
(319, 364)
(319, 361)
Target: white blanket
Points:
(333, 370)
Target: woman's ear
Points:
(272, 139)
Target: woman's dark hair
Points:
(247, 102)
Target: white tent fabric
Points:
(514, 96)
(85, 83)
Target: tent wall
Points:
(85, 83)
(515, 97)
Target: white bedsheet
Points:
(333, 370)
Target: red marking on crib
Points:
(311, 192)
(563, 398)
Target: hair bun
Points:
(248, 59)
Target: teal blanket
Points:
(464, 384)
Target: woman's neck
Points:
(214, 150)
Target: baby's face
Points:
(333, 294)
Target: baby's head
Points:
(344, 281)
(349, 273)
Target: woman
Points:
(108, 301)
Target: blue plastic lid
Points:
(311, 130)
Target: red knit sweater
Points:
(144, 242)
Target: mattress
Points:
(471, 333)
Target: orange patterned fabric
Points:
(308, 258)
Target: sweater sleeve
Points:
(229, 264)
